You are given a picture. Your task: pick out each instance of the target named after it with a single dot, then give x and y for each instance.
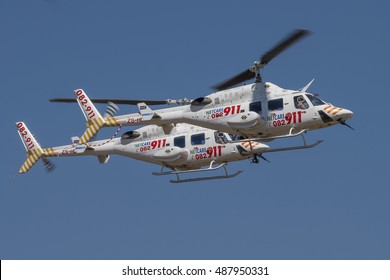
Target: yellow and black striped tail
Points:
(32, 157)
(34, 150)
(93, 127)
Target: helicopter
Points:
(259, 111)
(186, 149)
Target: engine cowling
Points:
(132, 134)
(201, 101)
(246, 121)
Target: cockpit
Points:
(315, 100)
(221, 137)
(302, 103)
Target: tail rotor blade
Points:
(48, 165)
(111, 110)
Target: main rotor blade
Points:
(267, 57)
(242, 77)
(115, 101)
(293, 38)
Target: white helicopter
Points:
(257, 111)
(186, 149)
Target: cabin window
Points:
(216, 101)
(255, 107)
(198, 139)
(315, 100)
(276, 104)
(179, 141)
(300, 102)
(144, 135)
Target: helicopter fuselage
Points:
(250, 111)
(187, 147)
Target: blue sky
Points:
(331, 202)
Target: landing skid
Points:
(290, 134)
(304, 146)
(210, 168)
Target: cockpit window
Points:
(221, 138)
(300, 102)
(234, 137)
(315, 100)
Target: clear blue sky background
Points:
(331, 202)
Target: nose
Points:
(344, 115)
(255, 147)
(260, 148)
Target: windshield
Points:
(315, 100)
(221, 137)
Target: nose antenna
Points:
(344, 123)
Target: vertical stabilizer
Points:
(34, 150)
(94, 120)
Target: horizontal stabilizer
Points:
(144, 110)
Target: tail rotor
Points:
(111, 110)
(48, 165)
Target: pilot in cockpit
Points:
(221, 137)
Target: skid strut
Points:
(210, 168)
